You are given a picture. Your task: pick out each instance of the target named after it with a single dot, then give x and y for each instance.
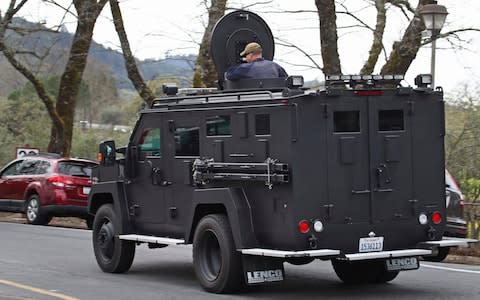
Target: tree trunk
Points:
(405, 51)
(328, 36)
(130, 63)
(61, 136)
(204, 67)
(377, 43)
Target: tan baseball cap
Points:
(251, 47)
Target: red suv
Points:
(44, 186)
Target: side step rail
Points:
(151, 239)
(287, 254)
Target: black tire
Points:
(113, 255)
(89, 221)
(34, 211)
(442, 254)
(217, 264)
(363, 272)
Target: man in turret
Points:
(255, 67)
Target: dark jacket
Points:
(259, 68)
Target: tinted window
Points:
(390, 120)
(73, 168)
(13, 169)
(262, 124)
(187, 141)
(29, 167)
(218, 125)
(149, 143)
(43, 167)
(346, 121)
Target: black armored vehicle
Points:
(262, 171)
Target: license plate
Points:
(402, 264)
(86, 190)
(370, 244)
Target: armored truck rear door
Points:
(391, 158)
(369, 158)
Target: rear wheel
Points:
(113, 255)
(441, 255)
(34, 211)
(216, 262)
(363, 272)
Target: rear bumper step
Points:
(151, 239)
(287, 254)
(387, 254)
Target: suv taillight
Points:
(59, 181)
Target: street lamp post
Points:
(433, 16)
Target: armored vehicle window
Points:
(390, 120)
(262, 124)
(218, 125)
(346, 121)
(187, 141)
(149, 143)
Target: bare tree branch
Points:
(130, 63)
(290, 45)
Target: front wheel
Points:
(363, 272)
(113, 255)
(216, 262)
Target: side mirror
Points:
(106, 153)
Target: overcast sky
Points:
(157, 28)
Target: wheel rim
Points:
(211, 261)
(32, 209)
(106, 240)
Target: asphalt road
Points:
(42, 262)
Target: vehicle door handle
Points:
(361, 192)
(383, 190)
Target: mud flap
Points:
(261, 269)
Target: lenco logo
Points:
(264, 276)
(408, 263)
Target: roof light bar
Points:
(362, 79)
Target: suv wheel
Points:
(33, 211)
(216, 262)
(113, 255)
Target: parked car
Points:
(44, 186)
(456, 225)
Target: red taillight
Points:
(369, 93)
(462, 204)
(304, 226)
(59, 181)
(436, 218)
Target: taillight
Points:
(304, 226)
(59, 181)
(436, 218)
(462, 204)
(368, 93)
